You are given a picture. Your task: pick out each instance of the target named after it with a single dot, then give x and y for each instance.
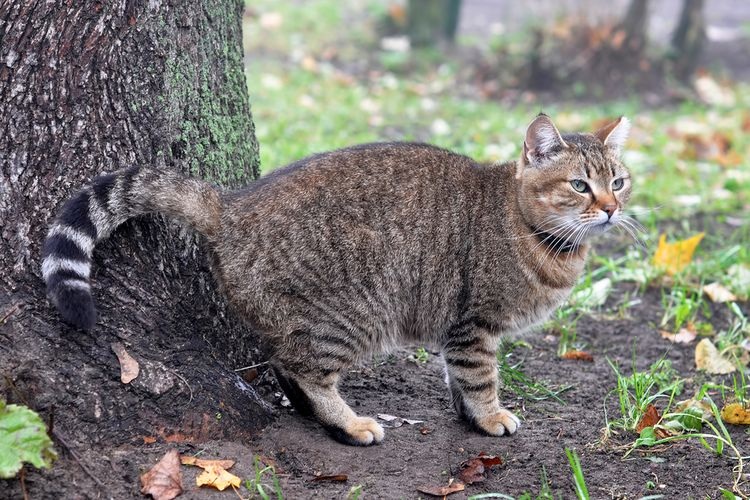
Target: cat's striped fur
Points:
(347, 253)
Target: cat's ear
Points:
(614, 134)
(542, 139)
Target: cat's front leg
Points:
(471, 365)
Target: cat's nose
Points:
(609, 209)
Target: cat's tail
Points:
(95, 211)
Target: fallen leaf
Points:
(149, 439)
(129, 368)
(650, 418)
(472, 472)
(718, 293)
(735, 413)
(684, 336)
(739, 280)
(164, 480)
(703, 405)
(577, 355)
(489, 460)
(707, 358)
(441, 491)
(425, 430)
(594, 295)
(218, 478)
(334, 478)
(398, 421)
(674, 257)
(204, 464)
(386, 417)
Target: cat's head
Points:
(573, 186)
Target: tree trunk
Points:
(432, 21)
(634, 24)
(688, 38)
(88, 87)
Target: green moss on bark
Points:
(213, 132)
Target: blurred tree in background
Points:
(432, 21)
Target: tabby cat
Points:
(351, 252)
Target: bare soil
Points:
(429, 453)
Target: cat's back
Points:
(376, 171)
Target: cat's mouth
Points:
(601, 227)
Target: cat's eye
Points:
(579, 185)
(617, 184)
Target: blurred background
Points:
(469, 75)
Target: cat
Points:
(347, 253)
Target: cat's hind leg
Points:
(471, 364)
(308, 370)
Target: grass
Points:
(639, 390)
(420, 356)
(514, 379)
(257, 485)
(582, 492)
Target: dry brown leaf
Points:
(216, 477)
(149, 439)
(650, 418)
(129, 368)
(472, 471)
(334, 478)
(684, 336)
(735, 413)
(204, 464)
(441, 491)
(718, 293)
(674, 257)
(577, 355)
(164, 480)
(707, 358)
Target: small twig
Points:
(184, 380)
(78, 459)
(14, 308)
(256, 365)
(22, 477)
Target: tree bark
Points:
(88, 87)
(688, 38)
(635, 23)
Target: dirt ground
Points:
(429, 453)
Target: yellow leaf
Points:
(218, 478)
(735, 413)
(204, 464)
(674, 257)
(707, 358)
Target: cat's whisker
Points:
(628, 225)
(569, 230)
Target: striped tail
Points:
(94, 212)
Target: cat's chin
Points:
(600, 228)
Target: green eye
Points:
(617, 184)
(579, 185)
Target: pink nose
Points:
(609, 209)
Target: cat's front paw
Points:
(359, 431)
(497, 424)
